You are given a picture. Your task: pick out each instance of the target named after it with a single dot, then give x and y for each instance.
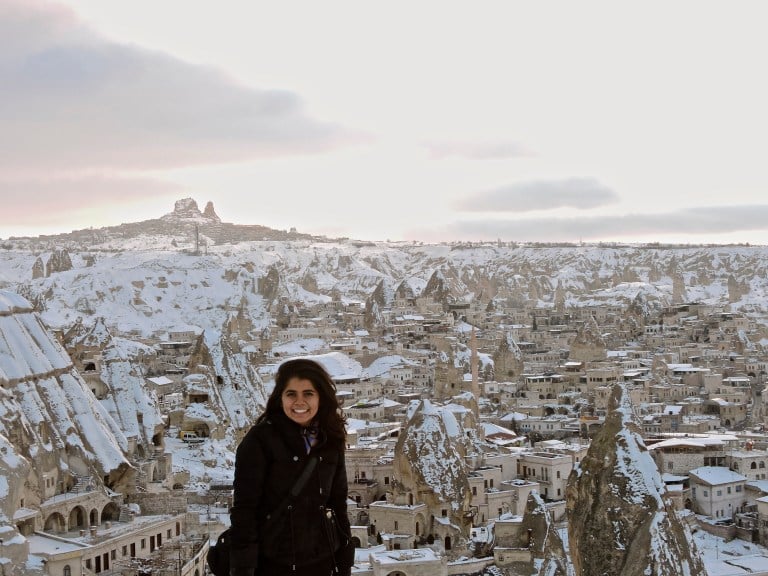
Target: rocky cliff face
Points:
(52, 428)
(219, 367)
(619, 521)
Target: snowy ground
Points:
(210, 462)
(730, 558)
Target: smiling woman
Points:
(301, 434)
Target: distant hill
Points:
(185, 224)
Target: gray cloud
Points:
(490, 150)
(705, 221)
(579, 193)
(70, 99)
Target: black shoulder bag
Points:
(218, 554)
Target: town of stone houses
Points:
(512, 409)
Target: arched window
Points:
(753, 466)
(67, 570)
(762, 464)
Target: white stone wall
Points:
(720, 501)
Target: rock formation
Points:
(559, 297)
(507, 360)
(619, 521)
(58, 262)
(437, 287)
(229, 379)
(184, 209)
(588, 345)
(38, 269)
(429, 460)
(210, 213)
(547, 551)
(678, 288)
(269, 285)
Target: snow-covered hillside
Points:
(146, 292)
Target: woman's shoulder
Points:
(264, 429)
(259, 434)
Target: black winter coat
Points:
(269, 460)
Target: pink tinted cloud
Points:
(52, 201)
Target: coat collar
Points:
(292, 432)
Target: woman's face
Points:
(300, 400)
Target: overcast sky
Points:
(431, 121)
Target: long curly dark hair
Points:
(330, 417)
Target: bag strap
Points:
(305, 474)
(296, 489)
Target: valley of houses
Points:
(529, 385)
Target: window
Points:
(125, 550)
(444, 513)
(396, 525)
(729, 489)
(67, 570)
(670, 466)
(474, 490)
(719, 492)
(738, 488)
(143, 543)
(706, 493)
(558, 475)
(386, 480)
(113, 554)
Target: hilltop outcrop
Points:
(181, 226)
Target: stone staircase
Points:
(83, 484)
